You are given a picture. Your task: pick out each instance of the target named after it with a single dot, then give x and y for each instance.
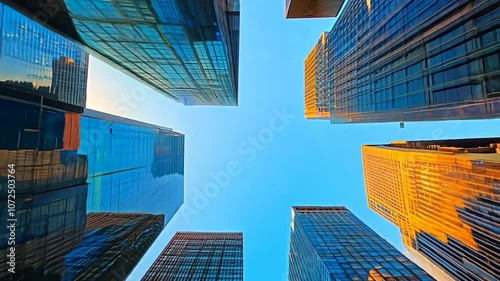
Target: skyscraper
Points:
(331, 243)
(444, 196)
(209, 256)
(312, 8)
(27, 68)
(67, 165)
(188, 50)
(112, 245)
(134, 167)
(315, 81)
(393, 61)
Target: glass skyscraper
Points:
(35, 62)
(186, 49)
(112, 245)
(315, 86)
(68, 165)
(331, 243)
(393, 61)
(193, 256)
(133, 167)
(443, 195)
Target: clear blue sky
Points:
(306, 163)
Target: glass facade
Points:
(112, 245)
(193, 256)
(186, 49)
(297, 9)
(443, 195)
(137, 169)
(392, 61)
(68, 165)
(331, 243)
(36, 62)
(315, 86)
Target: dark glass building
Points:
(186, 49)
(312, 8)
(331, 243)
(393, 61)
(36, 62)
(443, 195)
(112, 245)
(209, 256)
(49, 225)
(67, 165)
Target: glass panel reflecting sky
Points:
(39, 62)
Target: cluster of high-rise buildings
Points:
(398, 61)
(94, 191)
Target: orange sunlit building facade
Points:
(315, 67)
(445, 198)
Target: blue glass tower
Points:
(186, 49)
(68, 165)
(393, 61)
(331, 243)
(133, 167)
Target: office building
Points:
(134, 167)
(331, 243)
(443, 195)
(396, 61)
(112, 245)
(31, 64)
(187, 50)
(315, 81)
(209, 256)
(299, 9)
(67, 165)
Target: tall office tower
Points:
(315, 81)
(444, 197)
(395, 61)
(331, 243)
(27, 71)
(112, 246)
(66, 165)
(134, 167)
(297, 9)
(209, 256)
(186, 49)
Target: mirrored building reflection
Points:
(443, 195)
(37, 63)
(188, 50)
(112, 246)
(49, 225)
(331, 243)
(133, 167)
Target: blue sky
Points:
(302, 162)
